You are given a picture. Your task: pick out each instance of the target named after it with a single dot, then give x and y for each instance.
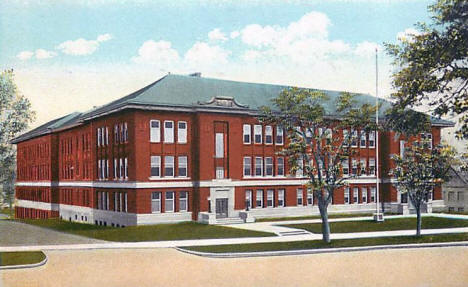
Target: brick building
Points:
(186, 148)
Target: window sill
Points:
(156, 178)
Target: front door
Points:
(221, 207)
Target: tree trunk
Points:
(325, 224)
(418, 220)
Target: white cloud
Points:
(25, 55)
(311, 25)
(217, 35)
(234, 34)
(202, 55)
(160, 53)
(44, 54)
(104, 37)
(251, 55)
(80, 47)
(366, 49)
(407, 35)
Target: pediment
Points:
(225, 102)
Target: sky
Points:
(72, 55)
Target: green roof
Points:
(179, 91)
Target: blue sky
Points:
(72, 55)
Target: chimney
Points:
(197, 74)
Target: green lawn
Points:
(337, 215)
(179, 231)
(7, 211)
(317, 244)
(20, 258)
(387, 225)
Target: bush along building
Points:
(189, 148)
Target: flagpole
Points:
(378, 217)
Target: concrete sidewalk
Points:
(206, 242)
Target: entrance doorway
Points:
(221, 207)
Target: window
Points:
(155, 165)
(354, 167)
(346, 195)
(155, 131)
(126, 167)
(268, 135)
(99, 169)
(328, 136)
(363, 142)
(121, 165)
(248, 199)
(371, 166)
(372, 195)
(364, 195)
(107, 136)
(156, 202)
(122, 135)
(168, 131)
(427, 138)
(308, 134)
(270, 198)
(461, 196)
(219, 152)
(99, 137)
(310, 197)
(169, 202)
(355, 195)
(107, 168)
(281, 201)
(300, 168)
(402, 148)
(116, 133)
(247, 134)
(125, 132)
(299, 197)
(346, 138)
(269, 166)
(280, 164)
(183, 200)
(258, 166)
(372, 139)
(345, 166)
(116, 168)
(363, 166)
(259, 198)
(168, 166)
(182, 166)
(279, 135)
(354, 138)
(258, 134)
(451, 196)
(182, 132)
(247, 166)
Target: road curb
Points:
(24, 266)
(321, 251)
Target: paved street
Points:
(19, 234)
(432, 267)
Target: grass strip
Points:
(160, 232)
(387, 225)
(319, 244)
(337, 215)
(21, 258)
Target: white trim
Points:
(37, 205)
(178, 182)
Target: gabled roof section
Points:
(192, 93)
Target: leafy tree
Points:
(15, 115)
(433, 66)
(315, 146)
(419, 170)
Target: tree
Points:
(433, 65)
(419, 170)
(314, 138)
(15, 115)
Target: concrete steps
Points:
(229, 220)
(293, 232)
